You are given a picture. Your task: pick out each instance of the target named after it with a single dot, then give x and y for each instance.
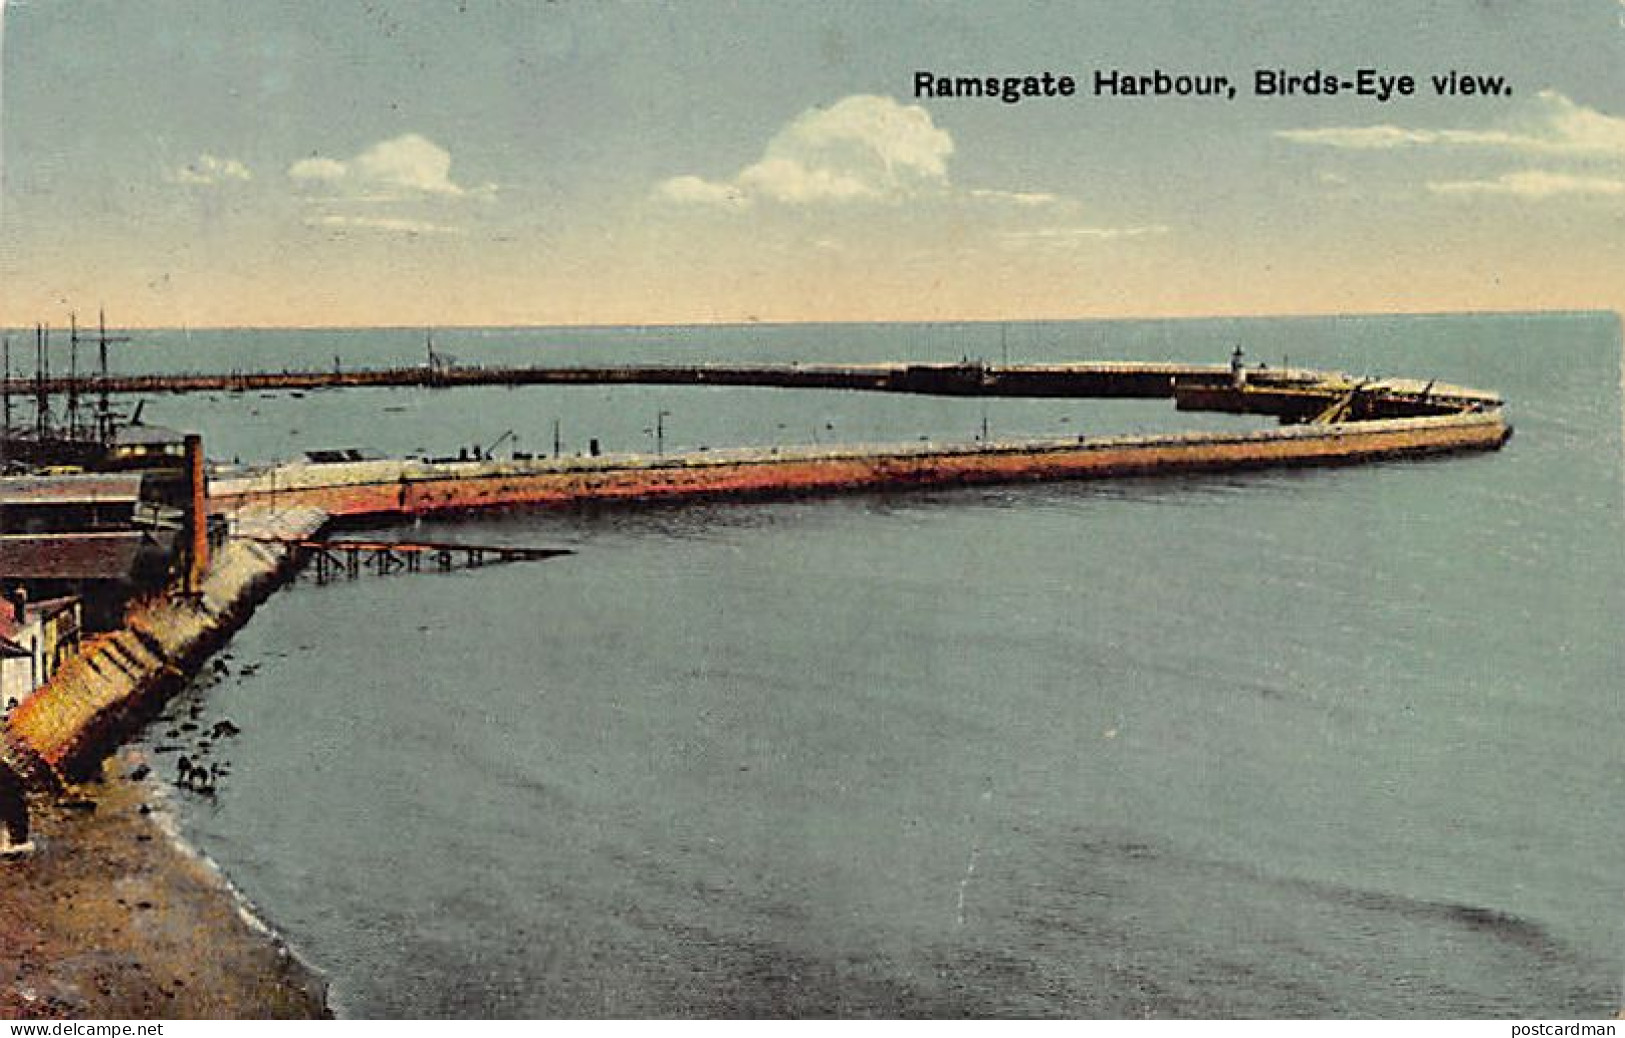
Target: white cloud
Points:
(1077, 235)
(1090, 232)
(872, 150)
(1550, 124)
(403, 178)
(694, 189)
(318, 169)
(404, 168)
(788, 180)
(209, 169)
(862, 148)
(1361, 138)
(1017, 198)
(398, 225)
(1532, 184)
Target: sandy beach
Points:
(111, 918)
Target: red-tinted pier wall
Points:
(380, 489)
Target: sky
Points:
(201, 163)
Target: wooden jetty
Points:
(350, 558)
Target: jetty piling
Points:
(331, 558)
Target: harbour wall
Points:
(377, 490)
(1084, 378)
(1285, 391)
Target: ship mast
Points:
(104, 413)
(5, 400)
(73, 375)
(42, 372)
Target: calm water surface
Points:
(1325, 743)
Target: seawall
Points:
(96, 698)
(377, 490)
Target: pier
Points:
(1085, 379)
(384, 490)
(330, 559)
(1292, 394)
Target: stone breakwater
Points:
(386, 489)
(98, 697)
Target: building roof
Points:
(88, 488)
(110, 555)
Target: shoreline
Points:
(116, 916)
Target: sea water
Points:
(1335, 742)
